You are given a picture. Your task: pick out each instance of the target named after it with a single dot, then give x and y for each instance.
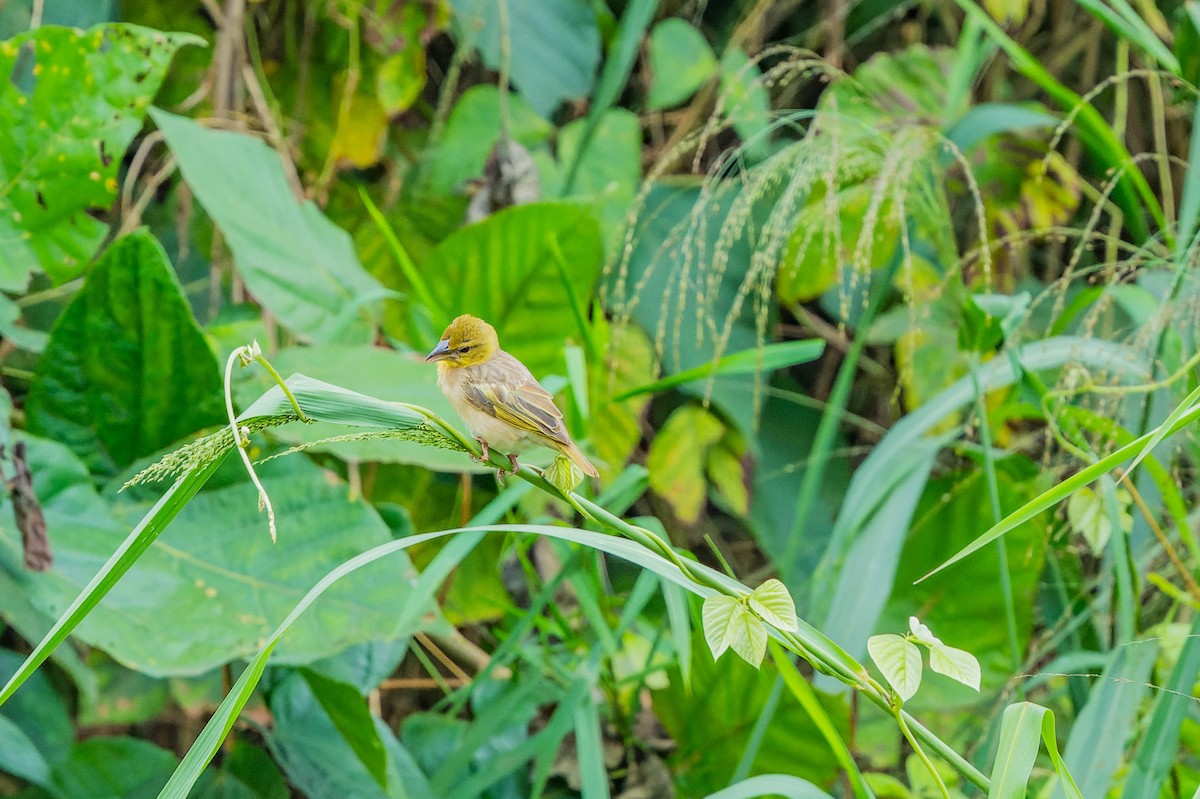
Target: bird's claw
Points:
(483, 445)
(513, 466)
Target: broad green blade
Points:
(767, 359)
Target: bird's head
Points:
(468, 341)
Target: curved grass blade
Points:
(132, 548)
(223, 719)
(1023, 723)
(807, 697)
(1047, 499)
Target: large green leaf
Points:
(102, 768)
(608, 166)
(351, 717)
(312, 751)
(554, 45)
(70, 103)
(226, 585)
(126, 371)
(297, 263)
(35, 728)
(528, 270)
(472, 130)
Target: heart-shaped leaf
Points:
(774, 604)
(900, 661)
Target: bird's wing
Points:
(526, 406)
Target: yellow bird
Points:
(497, 396)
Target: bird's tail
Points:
(571, 451)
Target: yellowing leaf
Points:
(772, 601)
(361, 129)
(628, 361)
(677, 458)
(401, 78)
(728, 475)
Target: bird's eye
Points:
(464, 349)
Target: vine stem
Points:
(916, 745)
(843, 668)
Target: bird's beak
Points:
(439, 352)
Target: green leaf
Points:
(306, 743)
(523, 269)
(746, 101)
(957, 664)
(730, 624)
(126, 371)
(1020, 727)
(232, 572)
(680, 62)
(785, 785)
(348, 711)
(472, 130)
(401, 76)
(762, 360)
(297, 263)
(236, 573)
(717, 616)
(623, 49)
(101, 768)
(609, 166)
(772, 601)
(554, 45)
(23, 337)
(677, 459)
(978, 331)
(38, 715)
(71, 101)
(645, 286)
(1087, 515)
(899, 659)
(19, 756)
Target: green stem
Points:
(405, 262)
(912, 740)
(989, 470)
(287, 392)
(835, 408)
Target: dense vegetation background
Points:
(828, 289)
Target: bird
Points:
(497, 396)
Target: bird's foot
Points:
(486, 452)
(513, 466)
